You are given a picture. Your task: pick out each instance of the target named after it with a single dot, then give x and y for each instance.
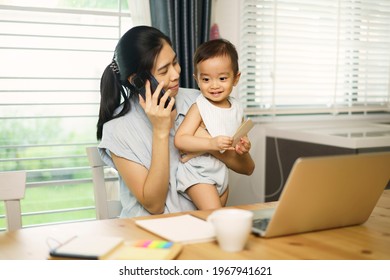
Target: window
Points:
(52, 55)
(302, 57)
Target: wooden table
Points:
(368, 241)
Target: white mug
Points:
(232, 228)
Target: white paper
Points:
(184, 228)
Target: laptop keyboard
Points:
(261, 224)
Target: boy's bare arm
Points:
(186, 138)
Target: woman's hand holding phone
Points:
(160, 117)
(139, 83)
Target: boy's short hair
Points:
(215, 48)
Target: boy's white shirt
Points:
(220, 121)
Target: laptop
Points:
(324, 193)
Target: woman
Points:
(137, 135)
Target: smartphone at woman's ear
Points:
(139, 81)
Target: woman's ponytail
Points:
(111, 91)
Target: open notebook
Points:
(183, 228)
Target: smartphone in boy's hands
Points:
(139, 82)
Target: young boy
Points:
(204, 179)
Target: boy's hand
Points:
(243, 146)
(221, 143)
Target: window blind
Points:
(315, 57)
(52, 57)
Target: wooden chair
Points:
(12, 190)
(106, 192)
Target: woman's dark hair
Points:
(135, 52)
(215, 48)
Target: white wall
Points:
(250, 189)
(243, 189)
(226, 14)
